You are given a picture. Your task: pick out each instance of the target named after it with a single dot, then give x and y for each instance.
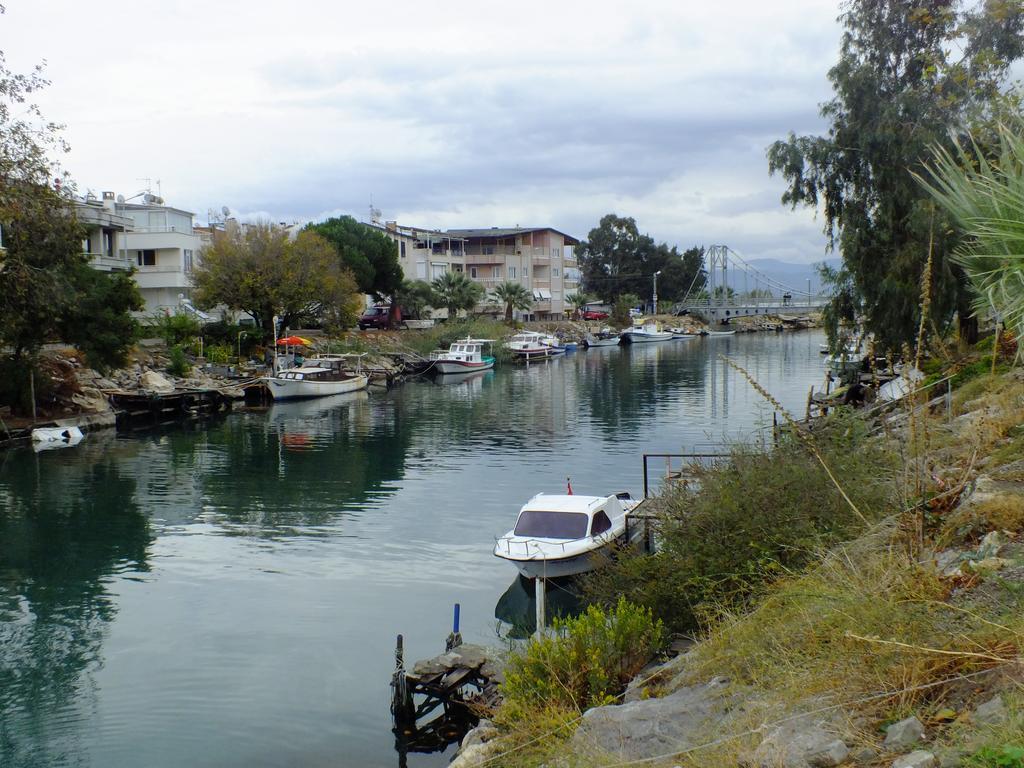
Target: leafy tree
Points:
(621, 307)
(514, 296)
(371, 255)
(259, 270)
(578, 301)
(907, 71)
(415, 297)
(98, 318)
(615, 259)
(455, 292)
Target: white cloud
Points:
(456, 113)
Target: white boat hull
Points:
(645, 338)
(286, 389)
(612, 342)
(461, 366)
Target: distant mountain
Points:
(794, 276)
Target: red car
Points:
(595, 314)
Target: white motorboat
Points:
(318, 377)
(554, 343)
(529, 345)
(721, 333)
(603, 338)
(48, 438)
(462, 357)
(644, 332)
(563, 535)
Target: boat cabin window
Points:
(601, 523)
(552, 525)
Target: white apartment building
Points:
(540, 258)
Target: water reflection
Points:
(517, 607)
(67, 524)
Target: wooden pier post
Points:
(540, 596)
(402, 708)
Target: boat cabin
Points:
(466, 350)
(567, 517)
(332, 368)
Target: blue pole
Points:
(455, 621)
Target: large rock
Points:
(800, 744)
(470, 656)
(151, 381)
(992, 712)
(916, 759)
(645, 729)
(904, 734)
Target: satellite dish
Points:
(225, 210)
(120, 198)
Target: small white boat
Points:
(563, 535)
(462, 357)
(681, 333)
(721, 333)
(530, 345)
(47, 438)
(645, 332)
(554, 343)
(901, 386)
(318, 377)
(603, 338)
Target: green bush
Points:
(173, 329)
(747, 521)
(584, 662)
(219, 353)
(1006, 756)
(179, 365)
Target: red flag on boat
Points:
(568, 482)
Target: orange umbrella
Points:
(294, 341)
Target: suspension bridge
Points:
(734, 288)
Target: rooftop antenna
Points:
(225, 210)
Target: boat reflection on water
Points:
(472, 379)
(517, 607)
(310, 423)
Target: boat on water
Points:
(560, 535)
(319, 377)
(681, 333)
(462, 357)
(554, 343)
(606, 337)
(48, 438)
(645, 332)
(530, 345)
(720, 333)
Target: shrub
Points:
(584, 662)
(174, 329)
(1006, 756)
(219, 354)
(746, 522)
(179, 365)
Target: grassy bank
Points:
(904, 597)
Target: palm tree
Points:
(514, 296)
(455, 291)
(985, 195)
(578, 301)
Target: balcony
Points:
(106, 263)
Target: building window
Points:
(188, 260)
(526, 271)
(85, 245)
(487, 250)
(496, 272)
(511, 272)
(402, 248)
(421, 270)
(472, 272)
(437, 270)
(108, 243)
(555, 271)
(146, 258)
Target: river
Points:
(229, 594)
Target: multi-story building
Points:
(106, 228)
(163, 247)
(540, 258)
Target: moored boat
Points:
(644, 332)
(603, 338)
(681, 333)
(559, 535)
(318, 377)
(721, 333)
(529, 345)
(462, 357)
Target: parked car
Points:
(374, 317)
(634, 312)
(595, 314)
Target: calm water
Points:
(229, 596)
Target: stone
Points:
(91, 401)
(992, 712)
(865, 756)
(470, 656)
(800, 744)
(474, 755)
(155, 382)
(651, 727)
(916, 759)
(950, 760)
(485, 731)
(904, 734)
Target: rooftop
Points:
(560, 502)
(509, 232)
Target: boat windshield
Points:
(552, 525)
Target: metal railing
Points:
(669, 472)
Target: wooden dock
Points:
(141, 410)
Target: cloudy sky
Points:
(452, 113)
